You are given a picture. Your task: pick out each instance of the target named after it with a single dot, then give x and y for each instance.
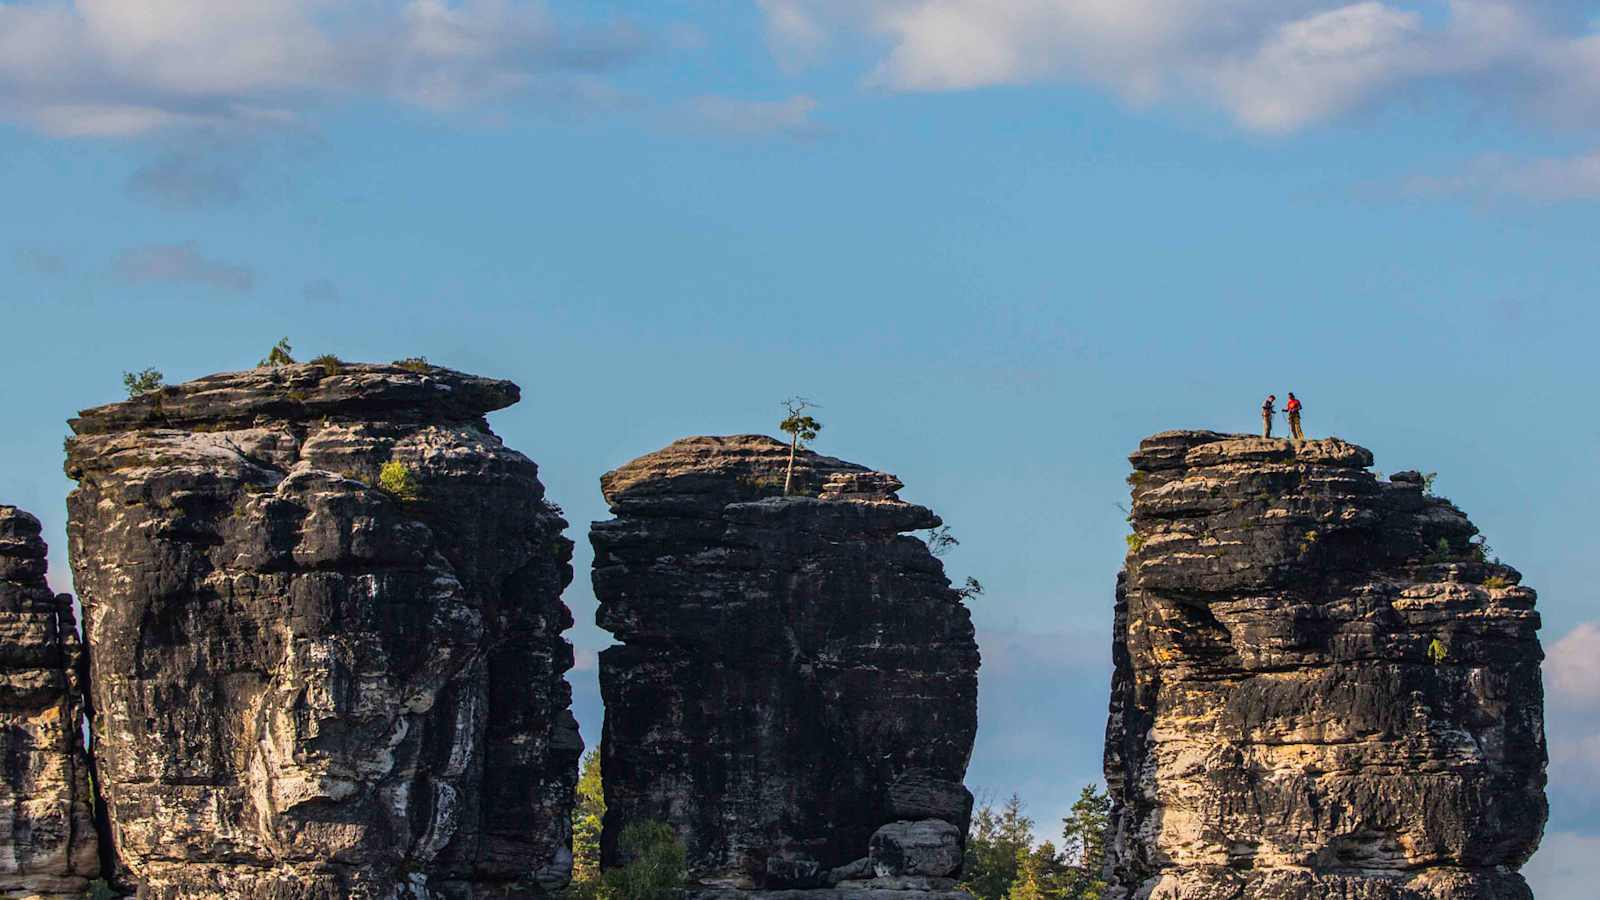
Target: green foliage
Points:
(1308, 540)
(1002, 863)
(1478, 549)
(1436, 651)
(297, 396)
(331, 365)
(1497, 582)
(940, 540)
(656, 864)
(395, 480)
(997, 843)
(100, 890)
(588, 812)
(1083, 836)
(418, 364)
(972, 589)
(1137, 478)
(1427, 483)
(278, 355)
(139, 383)
(1442, 552)
(1135, 542)
(802, 428)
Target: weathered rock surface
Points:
(306, 685)
(47, 833)
(795, 672)
(1283, 724)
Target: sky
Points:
(999, 241)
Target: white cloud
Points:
(791, 118)
(105, 68)
(181, 264)
(1572, 666)
(795, 35)
(1567, 867)
(1572, 724)
(1273, 65)
(1548, 179)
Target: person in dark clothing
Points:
(1268, 410)
(1293, 409)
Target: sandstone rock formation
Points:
(47, 833)
(796, 688)
(324, 618)
(1322, 688)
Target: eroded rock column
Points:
(47, 833)
(796, 686)
(1323, 686)
(323, 608)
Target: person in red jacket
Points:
(1293, 409)
(1268, 410)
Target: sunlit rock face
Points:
(312, 677)
(1323, 688)
(47, 832)
(795, 689)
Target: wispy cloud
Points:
(1550, 179)
(39, 261)
(102, 68)
(181, 264)
(321, 290)
(1272, 65)
(791, 118)
(194, 176)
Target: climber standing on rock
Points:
(1293, 409)
(1268, 410)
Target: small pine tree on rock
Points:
(279, 355)
(800, 428)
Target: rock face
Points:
(324, 619)
(47, 833)
(1322, 687)
(795, 676)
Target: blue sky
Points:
(998, 240)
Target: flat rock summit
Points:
(1324, 687)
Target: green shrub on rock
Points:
(139, 383)
(278, 355)
(395, 480)
(331, 365)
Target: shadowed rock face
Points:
(796, 689)
(47, 833)
(1279, 727)
(306, 686)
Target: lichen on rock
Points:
(47, 831)
(1322, 688)
(324, 615)
(795, 690)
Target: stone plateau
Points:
(796, 687)
(1323, 687)
(324, 610)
